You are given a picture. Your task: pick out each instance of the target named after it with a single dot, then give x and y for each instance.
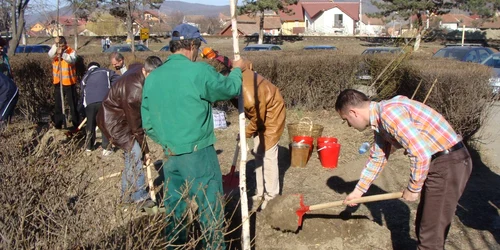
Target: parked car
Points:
(364, 73)
(260, 47)
(36, 48)
(475, 54)
(377, 50)
(165, 48)
(126, 48)
(493, 61)
(320, 47)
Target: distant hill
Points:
(169, 7)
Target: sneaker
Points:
(256, 202)
(106, 152)
(88, 152)
(264, 204)
(142, 205)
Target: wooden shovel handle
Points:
(379, 197)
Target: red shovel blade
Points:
(302, 210)
(231, 180)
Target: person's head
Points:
(354, 107)
(186, 40)
(117, 60)
(61, 42)
(3, 44)
(151, 63)
(93, 64)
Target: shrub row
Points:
(312, 80)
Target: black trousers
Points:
(71, 100)
(91, 112)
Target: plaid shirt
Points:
(401, 122)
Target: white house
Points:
(457, 22)
(370, 26)
(328, 18)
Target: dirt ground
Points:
(378, 225)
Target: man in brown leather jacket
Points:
(265, 108)
(120, 120)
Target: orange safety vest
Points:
(68, 70)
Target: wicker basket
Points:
(307, 128)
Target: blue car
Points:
(320, 47)
(37, 48)
(475, 54)
(261, 47)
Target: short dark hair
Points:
(62, 40)
(176, 45)
(151, 63)
(350, 97)
(93, 64)
(116, 55)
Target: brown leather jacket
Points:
(264, 107)
(120, 115)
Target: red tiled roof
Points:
(296, 13)
(457, 18)
(372, 20)
(491, 24)
(248, 25)
(349, 8)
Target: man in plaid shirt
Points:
(440, 165)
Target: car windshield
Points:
(255, 48)
(493, 61)
(453, 53)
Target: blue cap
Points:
(186, 32)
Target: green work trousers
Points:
(194, 177)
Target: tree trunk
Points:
(261, 28)
(130, 32)
(17, 24)
(75, 27)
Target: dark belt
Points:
(447, 151)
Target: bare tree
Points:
(17, 22)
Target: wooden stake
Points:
(430, 90)
(245, 237)
(415, 92)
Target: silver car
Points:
(493, 61)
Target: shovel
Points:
(74, 131)
(304, 209)
(231, 180)
(282, 208)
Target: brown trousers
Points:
(442, 189)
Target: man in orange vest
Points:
(64, 72)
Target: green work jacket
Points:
(176, 103)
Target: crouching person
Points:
(8, 100)
(94, 87)
(120, 121)
(265, 109)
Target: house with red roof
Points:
(249, 25)
(292, 20)
(331, 18)
(371, 26)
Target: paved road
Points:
(489, 137)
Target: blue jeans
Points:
(133, 180)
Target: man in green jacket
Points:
(177, 114)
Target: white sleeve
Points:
(69, 58)
(52, 51)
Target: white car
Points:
(494, 61)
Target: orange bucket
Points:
(325, 139)
(299, 154)
(309, 140)
(329, 154)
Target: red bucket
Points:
(329, 154)
(326, 140)
(309, 140)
